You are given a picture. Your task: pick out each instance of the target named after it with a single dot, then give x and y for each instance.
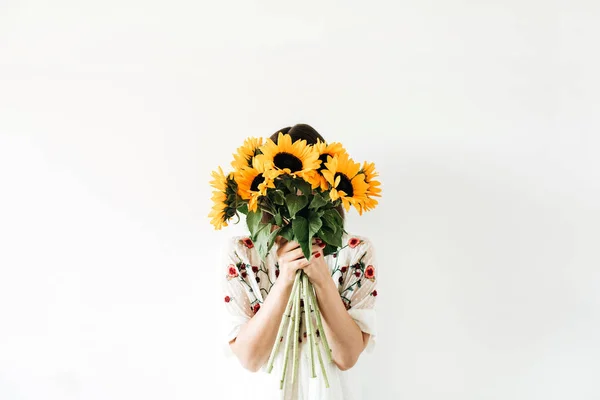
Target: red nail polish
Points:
(321, 244)
(317, 255)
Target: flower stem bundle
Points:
(303, 301)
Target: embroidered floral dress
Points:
(246, 282)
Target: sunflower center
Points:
(256, 181)
(323, 158)
(345, 184)
(287, 160)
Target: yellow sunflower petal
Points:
(245, 153)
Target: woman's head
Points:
(311, 136)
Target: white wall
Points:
(481, 116)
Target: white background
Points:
(482, 117)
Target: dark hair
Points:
(308, 133)
(300, 132)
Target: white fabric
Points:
(358, 293)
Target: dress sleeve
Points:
(237, 309)
(359, 291)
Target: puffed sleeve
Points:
(236, 301)
(359, 290)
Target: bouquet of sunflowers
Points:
(293, 190)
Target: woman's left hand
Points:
(318, 270)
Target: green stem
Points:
(288, 344)
(286, 316)
(308, 317)
(312, 303)
(296, 330)
(315, 304)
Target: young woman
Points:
(256, 293)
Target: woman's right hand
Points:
(290, 259)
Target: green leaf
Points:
(287, 232)
(278, 219)
(314, 224)
(253, 220)
(295, 203)
(330, 237)
(300, 227)
(318, 201)
(329, 249)
(278, 197)
(271, 239)
(243, 208)
(303, 186)
(333, 219)
(287, 182)
(261, 240)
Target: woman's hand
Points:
(317, 269)
(290, 259)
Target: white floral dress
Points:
(246, 282)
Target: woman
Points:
(256, 293)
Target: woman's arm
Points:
(256, 338)
(344, 336)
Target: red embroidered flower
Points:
(256, 308)
(231, 271)
(374, 293)
(357, 273)
(276, 273)
(248, 243)
(254, 269)
(340, 280)
(344, 269)
(227, 299)
(370, 272)
(244, 274)
(353, 242)
(242, 266)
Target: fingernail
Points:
(321, 244)
(317, 255)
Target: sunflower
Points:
(252, 183)
(223, 208)
(345, 181)
(373, 187)
(369, 170)
(325, 151)
(285, 157)
(245, 153)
